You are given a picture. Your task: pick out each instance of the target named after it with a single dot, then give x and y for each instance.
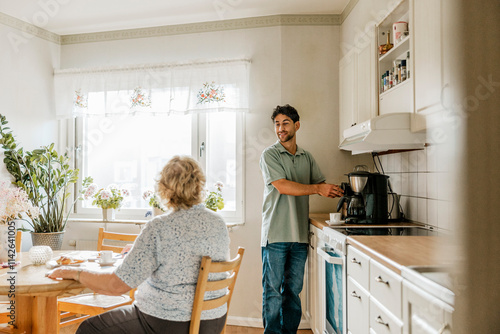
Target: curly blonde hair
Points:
(181, 183)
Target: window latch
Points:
(202, 148)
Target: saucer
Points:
(340, 222)
(105, 264)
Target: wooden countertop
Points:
(396, 252)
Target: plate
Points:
(335, 223)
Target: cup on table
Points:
(106, 256)
(335, 217)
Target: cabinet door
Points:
(316, 292)
(312, 287)
(427, 58)
(358, 303)
(366, 96)
(358, 266)
(347, 93)
(423, 313)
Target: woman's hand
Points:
(64, 273)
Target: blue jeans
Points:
(283, 266)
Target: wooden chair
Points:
(75, 309)
(4, 316)
(207, 267)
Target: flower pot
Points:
(157, 212)
(108, 214)
(53, 239)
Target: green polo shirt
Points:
(285, 218)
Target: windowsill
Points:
(131, 221)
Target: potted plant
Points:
(108, 199)
(45, 176)
(154, 201)
(214, 200)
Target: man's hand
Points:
(329, 190)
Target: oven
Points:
(332, 249)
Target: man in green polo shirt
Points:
(290, 176)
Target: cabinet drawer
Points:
(358, 266)
(382, 321)
(358, 306)
(385, 286)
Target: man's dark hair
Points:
(286, 110)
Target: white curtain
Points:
(211, 86)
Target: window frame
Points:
(72, 130)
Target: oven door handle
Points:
(330, 259)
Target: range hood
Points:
(382, 133)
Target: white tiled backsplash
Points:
(423, 180)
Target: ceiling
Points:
(65, 17)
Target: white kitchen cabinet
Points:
(357, 73)
(382, 321)
(366, 94)
(385, 286)
(347, 93)
(315, 272)
(428, 60)
(374, 296)
(424, 313)
(358, 300)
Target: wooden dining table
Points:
(35, 301)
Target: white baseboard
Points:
(245, 322)
(257, 322)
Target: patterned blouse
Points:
(165, 261)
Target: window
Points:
(130, 150)
(130, 120)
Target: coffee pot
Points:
(367, 202)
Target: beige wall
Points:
(26, 86)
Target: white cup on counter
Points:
(335, 217)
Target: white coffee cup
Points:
(106, 256)
(335, 217)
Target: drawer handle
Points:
(381, 321)
(355, 261)
(442, 329)
(380, 280)
(355, 295)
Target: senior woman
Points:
(164, 262)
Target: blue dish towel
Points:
(334, 288)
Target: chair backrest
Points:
(207, 267)
(19, 235)
(104, 235)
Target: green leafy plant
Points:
(45, 176)
(214, 200)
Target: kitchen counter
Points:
(395, 252)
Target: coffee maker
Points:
(367, 203)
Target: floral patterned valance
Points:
(154, 89)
